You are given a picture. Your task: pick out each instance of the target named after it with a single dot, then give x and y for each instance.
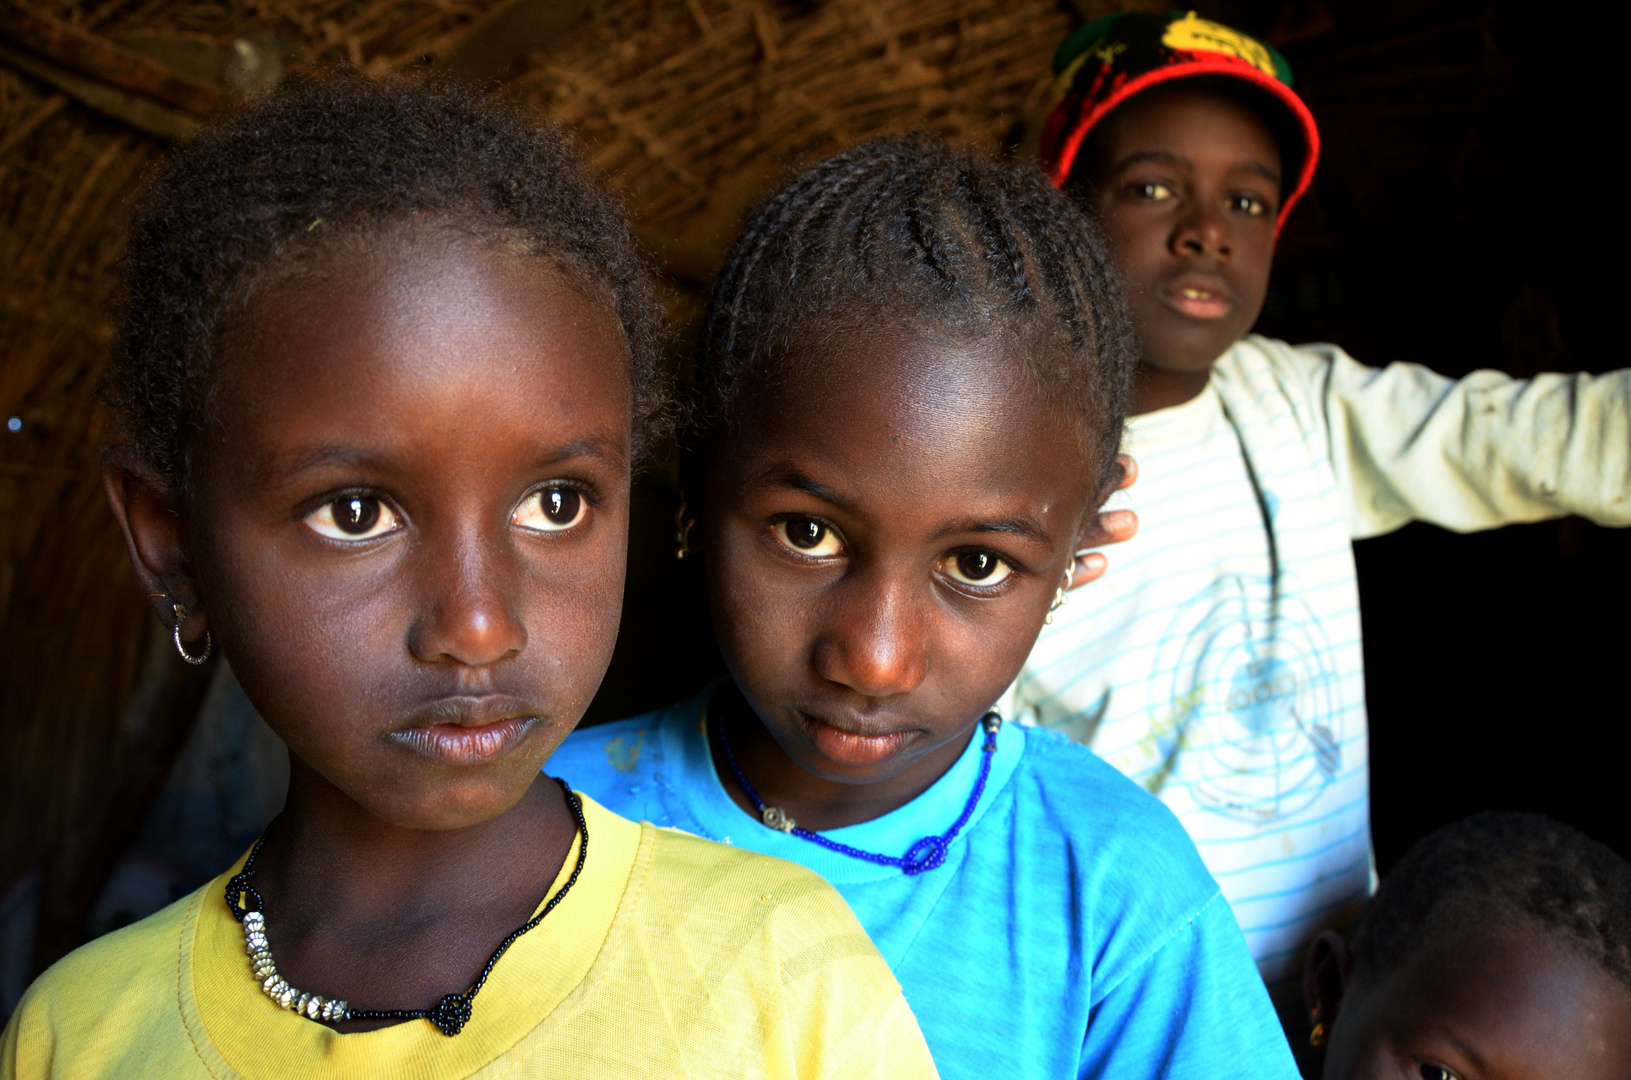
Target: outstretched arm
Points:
(1474, 453)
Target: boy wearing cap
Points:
(1218, 661)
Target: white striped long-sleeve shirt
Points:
(1218, 662)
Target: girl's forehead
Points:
(372, 348)
(897, 380)
(962, 410)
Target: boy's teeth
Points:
(1196, 294)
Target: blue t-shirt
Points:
(1072, 930)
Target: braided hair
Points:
(908, 232)
(335, 159)
(1502, 864)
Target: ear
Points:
(1104, 527)
(148, 509)
(1325, 977)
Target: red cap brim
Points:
(1071, 142)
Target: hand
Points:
(1111, 527)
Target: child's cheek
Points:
(761, 606)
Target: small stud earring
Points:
(683, 524)
(1316, 1038)
(180, 611)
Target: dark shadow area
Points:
(1457, 222)
(665, 644)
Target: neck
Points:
(815, 802)
(389, 916)
(1155, 389)
(326, 844)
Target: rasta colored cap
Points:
(1106, 62)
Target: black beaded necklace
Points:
(448, 1015)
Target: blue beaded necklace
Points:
(922, 856)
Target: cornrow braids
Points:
(1521, 866)
(336, 159)
(908, 231)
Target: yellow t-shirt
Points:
(671, 956)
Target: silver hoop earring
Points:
(1061, 593)
(175, 634)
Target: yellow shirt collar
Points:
(226, 1011)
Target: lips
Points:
(1200, 296)
(847, 741)
(464, 730)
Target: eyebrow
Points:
(1024, 526)
(1167, 157)
(282, 468)
(1449, 1036)
(788, 476)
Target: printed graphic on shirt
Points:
(1254, 704)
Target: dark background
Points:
(1465, 215)
(1463, 218)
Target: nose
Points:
(1201, 234)
(468, 616)
(876, 638)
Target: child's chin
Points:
(443, 804)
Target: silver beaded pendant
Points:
(312, 1006)
(777, 818)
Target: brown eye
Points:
(553, 509)
(352, 517)
(1430, 1071)
(356, 516)
(805, 535)
(808, 537)
(1250, 206)
(561, 507)
(977, 568)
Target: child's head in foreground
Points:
(1500, 946)
(913, 375)
(387, 360)
(1184, 139)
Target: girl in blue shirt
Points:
(912, 384)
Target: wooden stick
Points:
(143, 114)
(48, 108)
(68, 46)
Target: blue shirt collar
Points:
(704, 798)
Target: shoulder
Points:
(1137, 876)
(117, 991)
(1113, 826)
(777, 938)
(135, 959)
(1257, 351)
(1299, 372)
(621, 748)
(1097, 791)
(745, 888)
(734, 898)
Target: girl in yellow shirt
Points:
(386, 365)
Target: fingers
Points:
(1129, 472)
(1111, 527)
(1088, 567)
